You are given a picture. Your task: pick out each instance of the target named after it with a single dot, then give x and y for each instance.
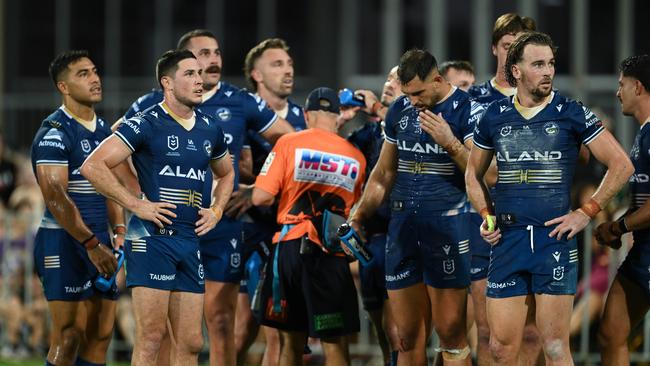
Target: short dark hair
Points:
(168, 63)
(511, 23)
(187, 37)
(61, 62)
(256, 52)
(637, 67)
(415, 62)
(516, 51)
(455, 64)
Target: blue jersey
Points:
(427, 177)
(235, 111)
(63, 141)
(640, 180)
(172, 162)
(486, 92)
(536, 158)
(260, 148)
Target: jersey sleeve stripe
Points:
(593, 136)
(483, 147)
(51, 162)
(467, 137)
(268, 125)
(390, 140)
(124, 140)
(246, 146)
(220, 156)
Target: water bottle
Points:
(353, 241)
(348, 99)
(104, 284)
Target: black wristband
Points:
(622, 226)
(91, 242)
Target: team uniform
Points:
(636, 264)
(308, 286)
(428, 238)
(372, 276)
(235, 111)
(485, 94)
(62, 263)
(172, 165)
(536, 160)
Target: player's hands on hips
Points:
(609, 234)
(570, 224)
(491, 236)
(156, 212)
(209, 219)
(437, 128)
(103, 259)
(240, 202)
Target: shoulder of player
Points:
(398, 107)
(148, 100)
(479, 90)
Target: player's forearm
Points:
(223, 190)
(615, 178)
(639, 219)
(459, 153)
(377, 189)
(67, 214)
(477, 191)
(115, 213)
(105, 182)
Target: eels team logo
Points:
(224, 114)
(207, 147)
(551, 129)
(505, 131)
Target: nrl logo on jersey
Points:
(172, 142)
(224, 114)
(85, 146)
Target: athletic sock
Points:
(393, 358)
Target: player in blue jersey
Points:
(628, 299)
(506, 29)
(173, 145)
(72, 245)
(536, 136)
(268, 68)
(236, 111)
(428, 136)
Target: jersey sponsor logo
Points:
(85, 146)
(162, 277)
(53, 134)
(501, 285)
(326, 168)
(425, 148)
(172, 142)
(194, 174)
(267, 163)
(134, 124)
(190, 145)
(399, 276)
(77, 289)
(224, 114)
(529, 156)
(505, 131)
(46, 143)
(639, 178)
(551, 128)
(593, 121)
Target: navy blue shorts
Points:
(526, 261)
(636, 266)
(221, 251)
(62, 263)
(373, 276)
(164, 262)
(479, 248)
(427, 248)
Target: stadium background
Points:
(335, 43)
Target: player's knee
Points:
(452, 333)
(555, 349)
(500, 351)
(406, 339)
(531, 335)
(70, 341)
(194, 344)
(609, 335)
(483, 334)
(222, 324)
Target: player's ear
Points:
(494, 50)
(515, 71)
(638, 87)
(62, 87)
(166, 82)
(256, 75)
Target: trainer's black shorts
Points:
(316, 289)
